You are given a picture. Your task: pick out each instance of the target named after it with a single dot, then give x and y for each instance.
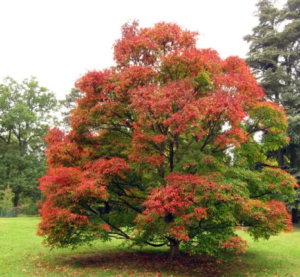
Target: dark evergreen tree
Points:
(275, 58)
(68, 104)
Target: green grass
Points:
(22, 254)
(278, 256)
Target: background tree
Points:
(148, 156)
(26, 112)
(6, 203)
(274, 56)
(69, 104)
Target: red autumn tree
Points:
(163, 151)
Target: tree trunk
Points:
(174, 248)
(16, 203)
(295, 215)
(16, 199)
(292, 155)
(280, 158)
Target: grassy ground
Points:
(21, 254)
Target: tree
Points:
(25, 115)
(275, 58)
(7, 200)
(162, 151)
(69, 104)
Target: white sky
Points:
(57, 41)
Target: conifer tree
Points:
(275, 58)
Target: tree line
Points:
(27, 111)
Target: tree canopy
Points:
(67, 105)
(275, 58)
(26, 111)
(162, 151)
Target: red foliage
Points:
(148, 150)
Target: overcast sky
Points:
(57, 41)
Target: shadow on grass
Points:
(149, 263)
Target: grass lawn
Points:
(21, 254)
